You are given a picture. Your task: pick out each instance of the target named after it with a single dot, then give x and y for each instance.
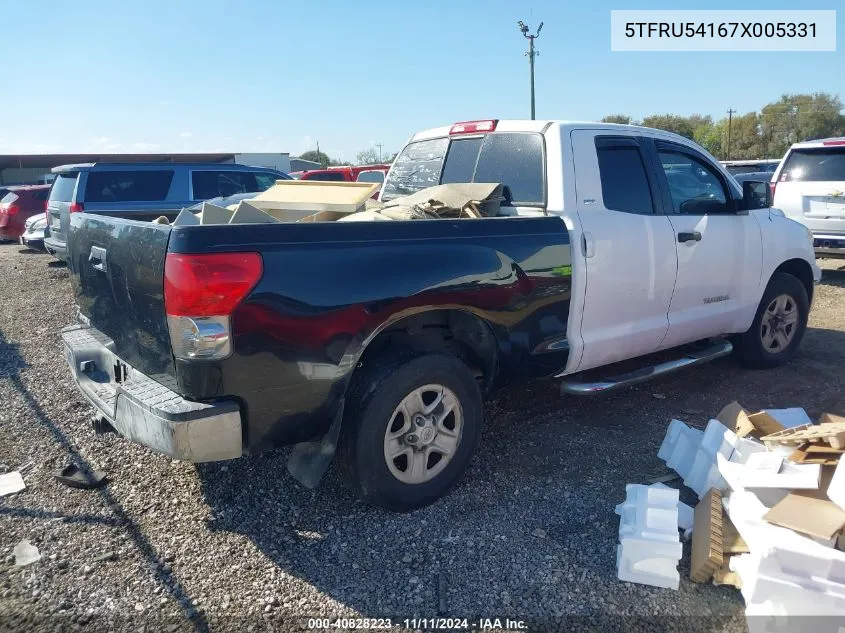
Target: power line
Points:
(730, 120)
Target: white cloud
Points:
(185, 134)
(145, 147)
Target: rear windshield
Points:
(40, 194)
(329, 176)
(63, 186)
(814, 164)
(128, 186)
(513, 159)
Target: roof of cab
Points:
(821, 142)
(528, 125)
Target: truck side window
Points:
(624, 184)
(695, 187)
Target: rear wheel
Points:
(411, 427)
(778, 326)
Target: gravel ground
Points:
(530, 532)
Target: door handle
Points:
(588, 244)
(693, 236)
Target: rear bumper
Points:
(147, 412)
(56, 248)
(829, 246)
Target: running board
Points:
(717, 350)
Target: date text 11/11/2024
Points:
(432, 624)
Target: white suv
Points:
(809, 187)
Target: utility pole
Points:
(531, 54)
(320, 156)
(730, 119)
(379, 145)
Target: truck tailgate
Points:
(117, 271)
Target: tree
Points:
(796, 118)
(617, 118)
(368, 156)
(317, 157)
(671, 123)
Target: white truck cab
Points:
(667, 248)
(809, 187)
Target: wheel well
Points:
(801, 270)
(457, 332)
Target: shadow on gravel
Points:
(57, 263)
(32, 251)
(10, 370)
(833, 277)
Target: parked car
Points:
(359, 173)
(18, 205)
(383, 338)
(736, 167)
(809, 187)
(143, 191)
(34, 230)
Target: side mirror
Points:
(756, 194)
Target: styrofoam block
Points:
(744, 448)
(704, 474)
(679, 446)
(790, 476)
(648, 562)
(786, 594)
(649, 513)
(794, 416)
(685, 512)
(676, 427)
(686, 516)
(836, 489)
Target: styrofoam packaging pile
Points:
(785, 573)
(649, 548)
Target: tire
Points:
(372, 411)
(752, 347)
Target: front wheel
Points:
(778, 326)
(411, 427)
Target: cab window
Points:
(694, 186)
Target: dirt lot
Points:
(529, 534)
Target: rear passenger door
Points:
(719, 248)
(628, 248)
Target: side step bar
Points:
(717, 350)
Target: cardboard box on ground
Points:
(771, 519)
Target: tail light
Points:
(11, 209)
(76, 207)
(200, 294)
(773, 186)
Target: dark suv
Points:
(143, 191)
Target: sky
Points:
(275, 76)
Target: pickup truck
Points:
(382, 339)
